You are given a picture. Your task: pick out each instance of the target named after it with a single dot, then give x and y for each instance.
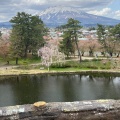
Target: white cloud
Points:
(30, 11)
(107, 12)
(78, 3)
(2, 17)
(9, 8)
(40, 2)
(103, 12)
(117, 13)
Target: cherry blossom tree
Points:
(82, 46)
(4, 47)
(92, 46)
(5, 36)
(50, 54)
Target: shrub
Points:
(92, 67)
(96, 59)
(90, 64)
(86, 60)
(59, 65)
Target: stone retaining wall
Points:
(79, 110)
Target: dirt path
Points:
(7, 67)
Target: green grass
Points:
(2, 61)
(67, 66)
(68, 69)
(27, 61)
(87, 64)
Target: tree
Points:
(27, 34)
(106, 39)
(71, 34)
(82, 46)
(91, 28)
(50, 54)
(115, 31)
(4, 47)
(101, 33)
(0, 34)
(92, 46)
(67, 45)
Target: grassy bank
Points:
(26, 61)
(60, 71)
(32, 66)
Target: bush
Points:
(96, 59)
(59, 65)
(86, 60)
(105, 67)
(90, 64)
(92, 67)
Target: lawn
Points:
(32, 66)
(85, 64)
(27, 61)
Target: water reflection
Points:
(6, 95)
(32, 88)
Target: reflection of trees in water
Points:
(105, 79)
(25, 89)
(91, 77)
(32, 88)
(69, 88)
(105, 88)
(116, 86)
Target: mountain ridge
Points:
(59, 15)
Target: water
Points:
(57, 88)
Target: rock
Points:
(39, 104)
(42, 68)
(78, 110)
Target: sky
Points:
(107, 8)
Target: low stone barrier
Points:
(79, 110)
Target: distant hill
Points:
(5, 24)
(55, 16)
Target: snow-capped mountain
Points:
(55, 16)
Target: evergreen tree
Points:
(67, 45)
(0, 34)
(115, 31)
(71, 35)
(26, 34)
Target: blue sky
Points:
(115, 5)
(107, 8)
(112, 10)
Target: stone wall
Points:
(79, 110)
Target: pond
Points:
(57, 88)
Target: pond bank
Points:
(79, 110)
(15, 72)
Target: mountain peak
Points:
(58, 15)
(60, 9)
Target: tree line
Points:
(28, 31)
(108, 39)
